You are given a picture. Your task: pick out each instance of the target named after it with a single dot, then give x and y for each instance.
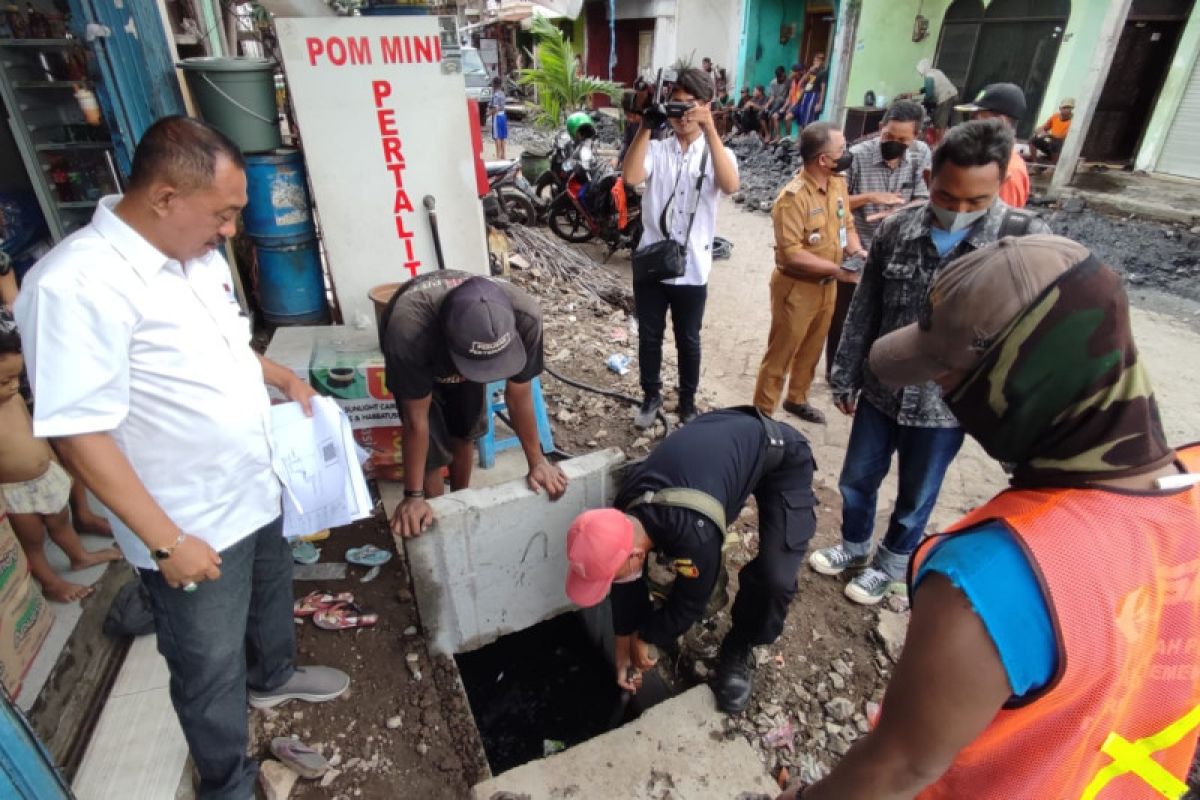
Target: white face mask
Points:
(636, 575)
(955, 220)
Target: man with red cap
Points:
(677, 501)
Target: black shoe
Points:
(733, 682)
(648, 412)
(804, 411)
(687, 411)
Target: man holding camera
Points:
(684, 174)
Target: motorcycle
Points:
(595, 203)
(510, 199)
(554, 180)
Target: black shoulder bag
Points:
(667, 259)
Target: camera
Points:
(677, 110)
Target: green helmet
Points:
(578, 121)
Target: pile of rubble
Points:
(764, 170)
(583, 326)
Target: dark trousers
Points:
(651, 301)
(923, 455)
(786, 522)
(841, 307)
(229, 634)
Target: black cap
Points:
(1002, 98)
(481, 331)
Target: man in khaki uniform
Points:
(813, 233)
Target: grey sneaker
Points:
(870, 586)
(310, 684)
(835, 560)
(648, 412)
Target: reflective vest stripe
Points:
(1135, 757)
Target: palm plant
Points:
(559, 90)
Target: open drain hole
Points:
(550, 683)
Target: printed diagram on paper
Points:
(320, 467)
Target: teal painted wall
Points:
(885, 56)
(762, 21)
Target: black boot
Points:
(732, 683)
(687, 410)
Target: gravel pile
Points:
(764, 170)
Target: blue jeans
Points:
(924, 456)
(230, 633)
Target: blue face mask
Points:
(954, 221)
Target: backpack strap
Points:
(1016, 222)
(702, 503)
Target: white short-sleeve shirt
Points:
(119, 338)
(664, 160)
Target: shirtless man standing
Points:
(34, 487)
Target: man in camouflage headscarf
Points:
(1060, 391)
(1051, 647)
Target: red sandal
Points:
(343, 616)
(318, 601)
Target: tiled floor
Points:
(137, 751)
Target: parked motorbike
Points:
(510, 199)
(554, 180)
(595, 203)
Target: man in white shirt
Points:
(671, 168)
(145, 380)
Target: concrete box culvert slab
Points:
(494, 561)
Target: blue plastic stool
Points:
(489, 445)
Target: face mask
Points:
(842, 163)
(636, 575)
(955, 220)
(892, 150)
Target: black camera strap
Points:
(662, 218)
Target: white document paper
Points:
(320, 466)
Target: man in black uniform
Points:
(445, 335)
(677, 501)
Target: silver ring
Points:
(190, 586)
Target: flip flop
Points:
(343, 616)
(316, 601)
(305, 553)
(302, 759)
(368, 556)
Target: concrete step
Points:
(678, 745)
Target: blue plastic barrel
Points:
(278, 204)
(291, 288)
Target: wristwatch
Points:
(163, 553)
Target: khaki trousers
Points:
(800, 314)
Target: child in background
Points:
(499, 117)
(33, 486)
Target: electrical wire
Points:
(608, 393)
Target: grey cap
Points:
(481, 331)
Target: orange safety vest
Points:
(1120, 571)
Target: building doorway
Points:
(817, 33)
(1139, 67)
(1012, 41)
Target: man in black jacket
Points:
(677, 502)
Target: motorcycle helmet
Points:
(581, 126)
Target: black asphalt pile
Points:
(764, 170)
(1151, 255)
(608, 130)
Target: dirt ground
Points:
(392, 729)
